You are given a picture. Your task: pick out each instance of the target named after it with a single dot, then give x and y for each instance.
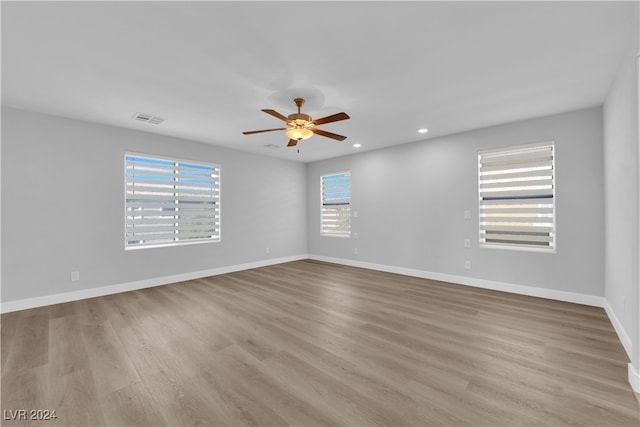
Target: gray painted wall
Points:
(63, 207)
(621, 196)
(410, 201)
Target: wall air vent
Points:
(271, 146)
(148, 118)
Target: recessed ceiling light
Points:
(423, 130)
(357, 145)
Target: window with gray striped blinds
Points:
(336, 204)
(517, 197)
(170, 201)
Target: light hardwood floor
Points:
(315, 344)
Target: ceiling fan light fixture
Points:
(299, 133)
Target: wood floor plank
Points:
(331, 394)
(112, 370)
(308, 343)
(74, 396)
(29, 342)
(240, 371)
(131, 405)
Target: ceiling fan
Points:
(300, 126)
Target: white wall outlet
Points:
(75, 276)
(467, 214)
(355, 251)
(267, 250)
(355, 235)
(355, 214)
(467, 265)
(467, 243)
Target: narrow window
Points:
(336, 204)
(170, 201)
(517, 197)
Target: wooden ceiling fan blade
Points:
(292, 143)
(277, 115)
(332, 118)
(251, 132)
(328, 134)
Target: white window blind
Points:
(517, 197)
(170, 201)
(336, 204)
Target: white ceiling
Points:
(210, 67)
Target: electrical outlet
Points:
(467, 214)
(355, 251)
(467, 243)
(467, 265)
(355, 235)
(355, 214)
(267, 250)
(75, 276)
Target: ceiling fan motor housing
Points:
(300, 119)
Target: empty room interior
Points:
(320, 213)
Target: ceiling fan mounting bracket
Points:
(299, 102)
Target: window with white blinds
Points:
(336, 204)
(517, 197)
(170, 201)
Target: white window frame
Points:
(542, 202)
(200, 206)
(345, 207)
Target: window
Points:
(170, 201)
(517, 197)
(336, 204)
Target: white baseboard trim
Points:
(27, 303)
(622, 334)
(634, 378)
(592, 300)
